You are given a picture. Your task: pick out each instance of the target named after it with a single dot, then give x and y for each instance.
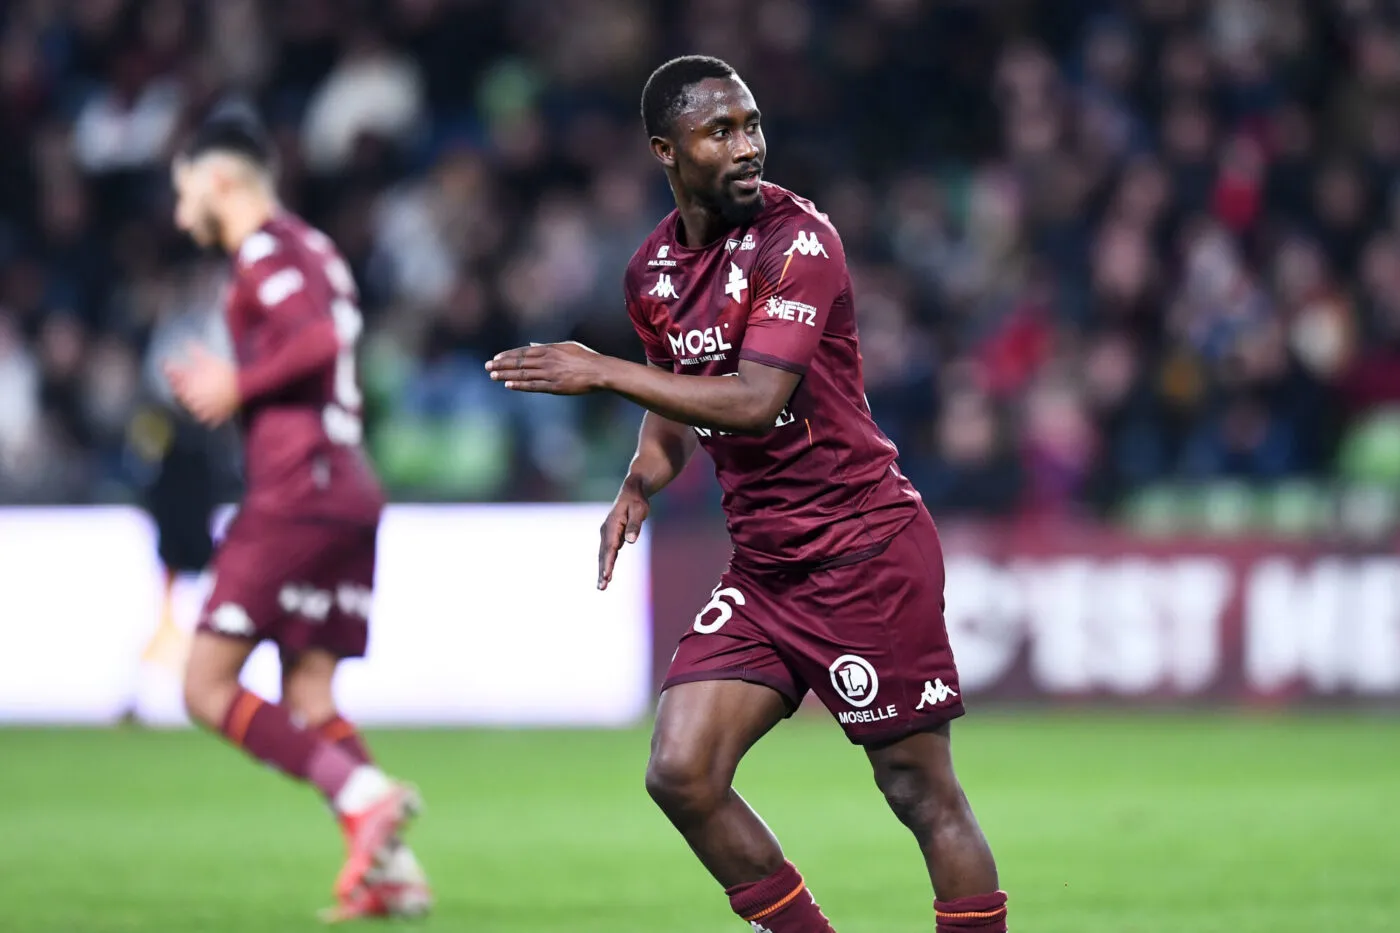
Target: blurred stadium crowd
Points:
(1103, 250)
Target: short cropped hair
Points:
(232, 126)
(663, 98)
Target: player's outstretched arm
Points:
(664, 447)
(747, 403)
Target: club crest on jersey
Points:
(808, 245)
(663, 287)
(737, 283)
(855, 680)
(661, 257)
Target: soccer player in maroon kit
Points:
(744, 304)
(297, 564)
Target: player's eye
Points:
(720, 132)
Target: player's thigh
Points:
(726, 687)
(870, 639)
(703, 728)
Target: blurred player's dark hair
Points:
(232, 126)
(664, 95)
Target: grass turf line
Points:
(1114, 823)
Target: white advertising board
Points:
(483, 615)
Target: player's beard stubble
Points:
(735, 213)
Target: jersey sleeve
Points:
(295, 317)
(652, 342)
(798, 276)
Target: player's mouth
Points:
(748, 180)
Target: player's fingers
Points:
(636, 514)
(526, 384)
(605, 568)
(610, 540)
(524, 373)
(513, 358)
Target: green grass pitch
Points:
(1113, 823)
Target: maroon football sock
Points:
(779, 903)
(265, 731)
(343, 733)
(985, 913)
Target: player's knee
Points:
(921, 796)
(207, 698)
(684, 782)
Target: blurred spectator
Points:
(1097, 246)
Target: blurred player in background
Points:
(297, 564)
(744, 304)
(184, 475)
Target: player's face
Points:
(719, 149)
(194, 197)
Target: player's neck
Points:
(700, 225)
(245, 215)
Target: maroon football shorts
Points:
(300, 584)
(868, 638)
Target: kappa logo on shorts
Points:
(306, 601)
(855, 679)
(935, 692)
(231, 619)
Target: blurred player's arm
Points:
(305, 337)
(305, 340)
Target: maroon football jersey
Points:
(822, 487)
(302, 428)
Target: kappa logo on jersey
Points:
(663, 287)
(807, 244)
(700, 345)
(760, 928)
(935, 692)
(744, 245)
(231, 619)
(737, 283)
(279, 286)
(855, 679)
(792, 311)
(661, 255)
(257, 247)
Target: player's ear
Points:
(664, 150)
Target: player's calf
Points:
(916, 776)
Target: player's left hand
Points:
(556, 368)
(207, 385)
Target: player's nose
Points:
(745, 149)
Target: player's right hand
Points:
(622, 526)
